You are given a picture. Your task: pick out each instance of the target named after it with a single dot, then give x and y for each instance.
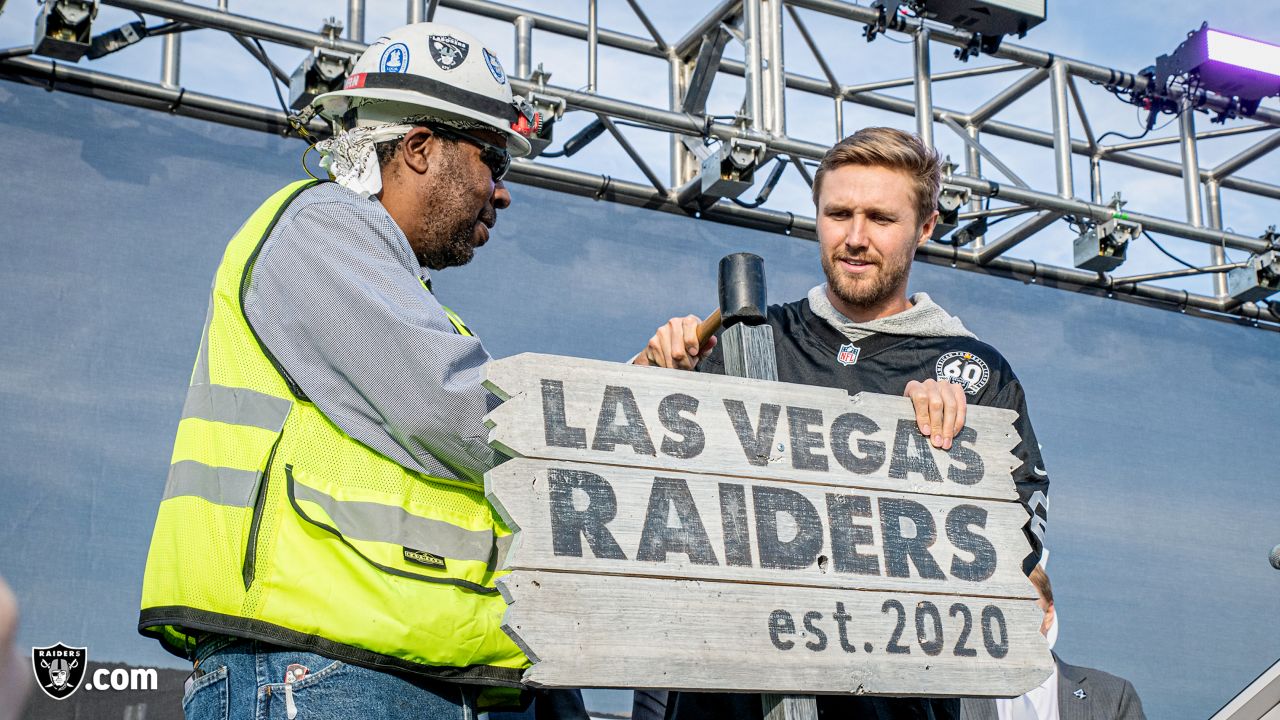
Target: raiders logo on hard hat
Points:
(448, 51)
(59, 669)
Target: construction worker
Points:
(324, 546)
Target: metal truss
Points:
(757, 134)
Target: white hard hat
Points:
(434, 68)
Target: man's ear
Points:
(417, 149)
(926, 230)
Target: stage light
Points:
(320, 72)
(1227, 64)
(950, 200)
(1102, 247)
(730, 168)
(64, 29)
(969, 232)
(1256, 281)
(988, 20)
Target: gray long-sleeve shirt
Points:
(337, 296)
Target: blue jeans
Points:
(245, 680)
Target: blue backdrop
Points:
(1157, 429)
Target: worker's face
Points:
(463, 202)
(868, 233)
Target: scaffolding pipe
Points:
(416, 11)
(1061, 129)
(689, 44)
(1008, 96)
(753, 103)
(1174, 139)
(1217, 254)
(1024, 230)
(1190, 164)
(924, 91)
(775, 76)
(206, 17)
(355, 20)
(1246, 156)
(155, 96)
(681, 165)
(1030, 57)
(171, 60)
(524, 46)
(973, 168)
(851, 90)
(593, 45)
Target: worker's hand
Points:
(675, 345)
(940, 409)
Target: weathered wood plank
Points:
(592, 411)
(618, 520)
(608, 631)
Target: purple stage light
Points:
(1226, 64)
(1242, 52)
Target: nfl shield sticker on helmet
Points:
(448, 51)
(964, 369)
(495, 67)
(395, 59)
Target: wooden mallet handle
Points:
(708, 327)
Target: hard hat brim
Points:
(332, 105)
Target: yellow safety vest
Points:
(277, 525)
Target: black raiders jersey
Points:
(812, 352)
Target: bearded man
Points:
(876, 196)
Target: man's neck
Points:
(866, 313)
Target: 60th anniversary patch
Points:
(965, 369)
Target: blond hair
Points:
(893, 149)
(1040, 579)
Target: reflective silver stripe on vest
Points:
(237, 406)
(220, 485)
(200, 376)
(358, 520)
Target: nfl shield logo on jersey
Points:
(848, 354)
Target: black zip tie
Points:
(604, 187)
(791, 221)
(177, 102)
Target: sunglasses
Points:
(496, 158)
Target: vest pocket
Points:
(396, 541)
(249, 569)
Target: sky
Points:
(1151, 423)
(1127, 36)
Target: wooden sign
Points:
(686, 531)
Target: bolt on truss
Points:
(713, 158)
